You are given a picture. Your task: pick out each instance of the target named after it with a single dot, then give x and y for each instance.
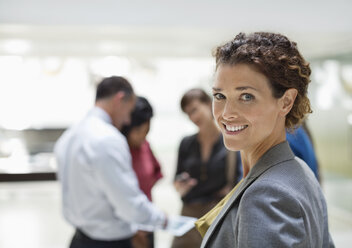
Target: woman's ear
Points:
(287, 101)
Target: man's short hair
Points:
(111, 85)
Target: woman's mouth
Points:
(234, 129)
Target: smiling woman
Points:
(246, 111)
(260, 90)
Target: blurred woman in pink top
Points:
(145, 165)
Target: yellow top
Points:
(205, 221)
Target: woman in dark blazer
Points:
(260, 90)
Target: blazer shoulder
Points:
(293, 174)
(266, 191)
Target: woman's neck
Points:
(208, 133)
(250, 156)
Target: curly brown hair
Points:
(279, 60)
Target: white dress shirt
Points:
(100, 190)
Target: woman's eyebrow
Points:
(241, 88)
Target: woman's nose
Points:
(230, 111)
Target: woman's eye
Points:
(218, 96)
(247, 97)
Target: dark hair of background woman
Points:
(194, 94)
(142, 113)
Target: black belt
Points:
(79, 235)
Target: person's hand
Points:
(140, 240)
(224, 191)
(184, 183)
(166, 222)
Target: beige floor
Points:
(30, 214)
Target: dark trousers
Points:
(81, 240)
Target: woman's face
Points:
(199, 113)
(245, 110)
(137, 135)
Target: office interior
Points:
(53, 54)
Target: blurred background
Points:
(53, 53)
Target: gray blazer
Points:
(279, 204)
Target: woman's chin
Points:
(231, 145)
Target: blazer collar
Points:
(275, 155)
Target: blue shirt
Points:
(302, 147)
(100, 190)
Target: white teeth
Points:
(234, 128)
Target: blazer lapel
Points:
(275, 155)
(245, 183)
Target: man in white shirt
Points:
(100, 192)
